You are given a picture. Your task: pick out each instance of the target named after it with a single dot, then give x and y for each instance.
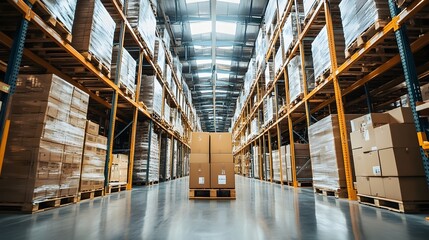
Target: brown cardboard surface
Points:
(401, 115)
(401, 162)
(199, 158)
(356, 139)
(220, 171)
(363, 185)
(199, 175)
(406, 188)
(220, 143)
(377, 186)
(369, 164)
(369, 120)
(396, 135)
(200, 142)
(92, 128)
(221, 158)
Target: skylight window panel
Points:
(230, 1)
(223, 62)
(203, 61)
(195, 1)
(226, 27)
(201, 27)
(222, 75)
(204, 75)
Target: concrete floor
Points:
(261, 211)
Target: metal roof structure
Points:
(215, 41)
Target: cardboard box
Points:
(222, 175)
(366, 164)
(199, 158)
(356, 140)
(200, 142)
(406, 188)
(220, 143)
(92, 128)
(370, 120)
(396, 135)
(401, 115)
(199, 175)
(377, 186)
(401, 162)
(363, 185)
(221, 158)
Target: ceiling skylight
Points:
(227, 1)
(195, 1)
(204, 75)
(222, 75)
(200, 47)
(201, 27)
(223, 62)
(206, 27)
(203, 61)
(226, 27)
(226, 47)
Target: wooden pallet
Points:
(116, 187)
(212, 194)
(297, 100)
(127, 92)
(320, 79)
(39, 206)
(91, 194)
(363, 37)
(394, 205)
(311, 12)
(156, 117)
(52, 21)
(337, 193)
(97, 63)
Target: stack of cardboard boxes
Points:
(119, 170)
(386, 156)
(211, 162)
(94, 159)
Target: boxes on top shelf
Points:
(64, 11)
(142, 19)
(151, 94)
(93, 31)
(44, 151)
(359, 15)
(127, 75)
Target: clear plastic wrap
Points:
(64, 11)
(151, 94)
(93, 30)
(296, 86)
(255, 161)
(269, 109)
(290, 32)
(93, 163)
(128, 68)
(167, 111)
(146, 149)
(326, 153)
(320, 51)
(358, 15)
(165, 164)
(43, 156)
(178, 69)
(302, 163)
(278, 61)
(276, 165)
(269, 73)
(142, 18)
(261, 46)
(159, 55)
(175, 159)
(308, 6)
(168, 78)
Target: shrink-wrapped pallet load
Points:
(64, 11)
(127, 75)
(151, 94)
(142, 19)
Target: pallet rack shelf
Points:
(342, 80)
(58, 56)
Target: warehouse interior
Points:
(204, 119)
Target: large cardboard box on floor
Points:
(221, 158)
(406, 188)
(222, 175)
(377, 186)
(199, 175)
(200, 142)
(401, 162)
(396, 135)
(199, 158)
(220, 143)
(366, 164)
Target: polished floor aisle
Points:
(262, 211)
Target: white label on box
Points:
(366, 135)
(376, 170)
(201, 180)
(221, 179)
